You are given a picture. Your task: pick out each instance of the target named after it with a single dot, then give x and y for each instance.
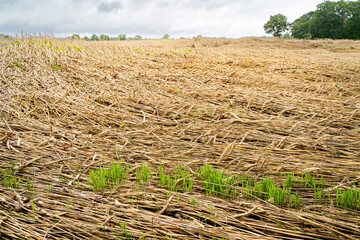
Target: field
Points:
(179, 139)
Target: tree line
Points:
(336, 20)
(4, 36)
(104, 37)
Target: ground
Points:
(181, 139)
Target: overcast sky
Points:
(148, 18)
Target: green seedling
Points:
(246, 181)
(180, 178)
(117, 155)
(108, 178)
(322, 183)
(144, 175)
(209, 112)
(16, 43)
(43, 44)
(267, 190)
(217, 183)
(125, 234)
(15, 64)
(56, 67)
(349, 198)
(59, 49)
(29, 185)
(77, 167)
(139, 50)
(33, 209)
(184, 174)
(77, 49)
(296, 200)
(9, 178)
(319, 196)
(290, 180)
(62, 179)
(193, 201)
(310, 181)
(162, 176)
(50, 188)
(181, 94)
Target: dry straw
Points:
(260, 107)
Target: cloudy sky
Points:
(148, 18)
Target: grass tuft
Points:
(108, 177)
(217, 183)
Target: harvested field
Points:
(181, 139)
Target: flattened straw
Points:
(166, 206)
(227, 149)
(246, 213)
(72, 108)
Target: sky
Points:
(148, 18)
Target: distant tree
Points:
(122, 37)
(75, 36)
(182, 38)
(94, 37)
(166, 36)
(86, 38)
(276, 25)
(138, 37)
(104, 37)
(4, 36)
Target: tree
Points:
(138, 37)
(86, 38)
(166, 36)
(104, 37)
(328, 21)
(122, 37)
(75, 36)
(300, 28)
(352, 25)
(94, 37)
(4, 36)
(286, 36)
(276, 25)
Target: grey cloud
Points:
(149, 18)
(207, 4)
(105, 7)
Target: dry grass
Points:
(250, 105)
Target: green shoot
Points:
(108, 178)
